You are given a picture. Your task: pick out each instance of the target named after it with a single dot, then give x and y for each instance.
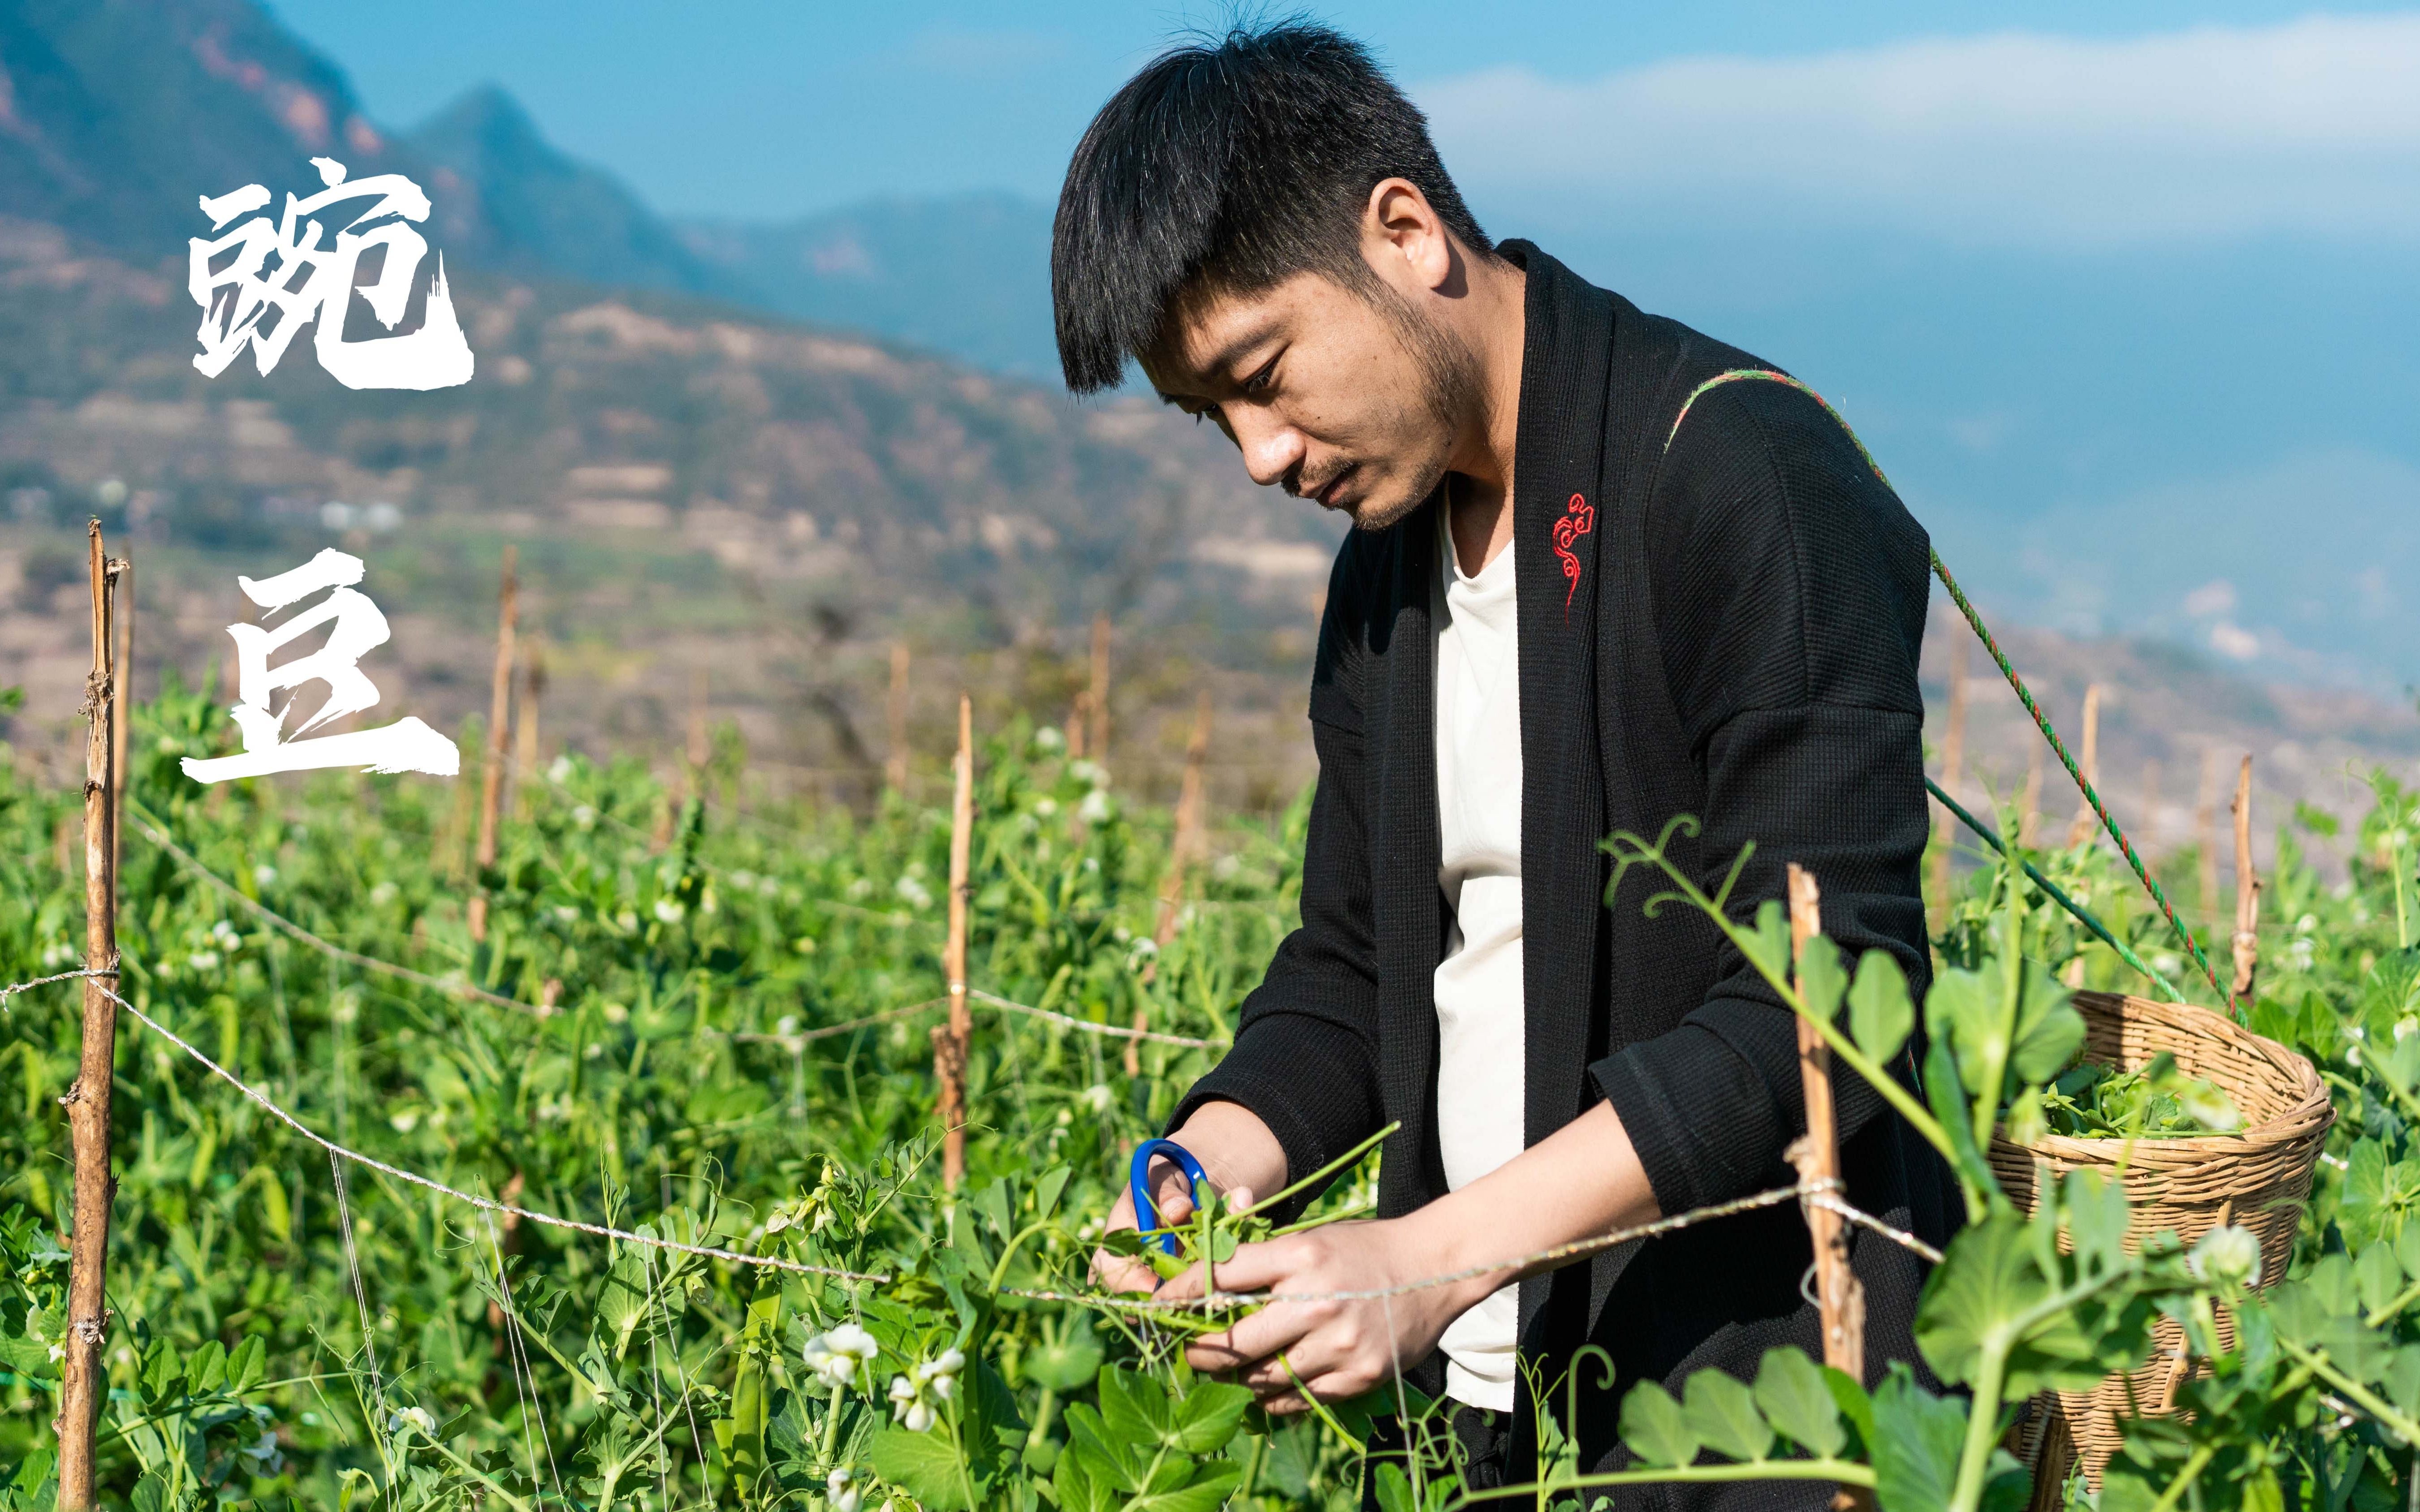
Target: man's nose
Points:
(1271, 451)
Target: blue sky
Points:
(755, 108)
(2123, 296)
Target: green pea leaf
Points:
(1135, 1407)
(926, 1466)
(2377, 1276)
(1823, 980)
(1068, 1362)
(1986, 1285)
(1198, 1488)
(2400, 1380)
(1655, 1429)
(206, 1368)
(1048, 1190)
(1916, 1440)
(1722, 1415)
(2097, 1218)
(1207, 1415)
(2050, 1032)
(246, 1365)
(1768, 944)
(1881, 1013)
(998, 1205)
(1790, 1390)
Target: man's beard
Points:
(1450, 393)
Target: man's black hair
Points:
(1240, 162)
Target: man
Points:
(1561, 613)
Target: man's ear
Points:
(1403, 239)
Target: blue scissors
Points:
(1139, 1183)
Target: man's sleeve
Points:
(1790, 598)
(1305, 1056)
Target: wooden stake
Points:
(1840, 1298)
(2247, 896)
(1080, 714)
(500, 708)
(1181, 852)
(950, 1042)
(2080, 831)
(85, 1376)
(894, 767)
(2205, 830)
(121, 682)
(1098, 746)
(1953, 758)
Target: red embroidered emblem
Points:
(1577, 520)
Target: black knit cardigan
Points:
(1721, 621)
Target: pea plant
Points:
(720, 1047)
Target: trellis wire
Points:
(488, 1204)
(328, 947)
(1823, 1194)
(1115, 1031)
(334, 951)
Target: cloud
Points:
(2309, 127)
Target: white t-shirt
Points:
(1479, 993)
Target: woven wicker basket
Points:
(2258, 1178)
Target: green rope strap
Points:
(2041, 720)
(2057, 895)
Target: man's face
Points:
(1348, 398)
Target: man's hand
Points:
(1239, 1155)
(1334, 1349)
(1583, 1179)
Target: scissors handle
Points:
(1139, 1183)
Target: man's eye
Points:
(1261, 380)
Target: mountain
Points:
(551, 213)
(965, 274)
(695, 495)
(116, 115)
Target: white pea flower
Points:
(841, 1489)
(413, 1417)
(263, 875)
(850, 1338)
(908, 1406)
(2226, 1256)
(914, 893)
(669, 910)
(264, 1453)
(1096, 1097)
(1096, 808)
(836, 1355)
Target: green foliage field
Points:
(267, 1352)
